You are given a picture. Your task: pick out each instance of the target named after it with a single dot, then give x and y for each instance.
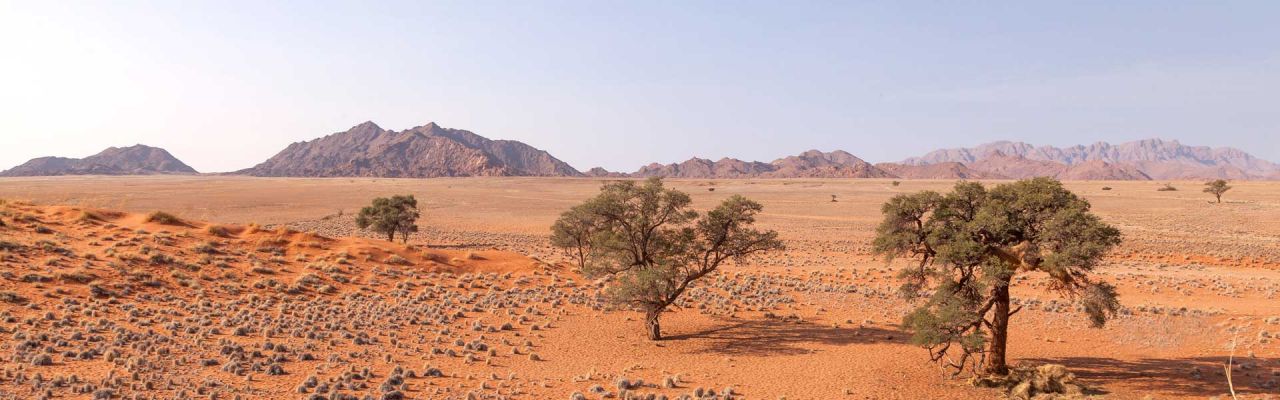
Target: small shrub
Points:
(218, 230)
(1106, 188)
(896, 183)
(161, 217)
(205, 247)
(42, 360)
(88, 216)
(1167, 188)
(12, 297)
(77, 276)
(160, 259)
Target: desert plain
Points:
(264, 288)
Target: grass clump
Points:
(218, 230)
(395, 259)
(161, 217)
(12, 297)
(88, 216)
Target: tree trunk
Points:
(651, 323)
(1219, 198)
(391, 236)
(999, 331)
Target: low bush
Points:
(161, 217)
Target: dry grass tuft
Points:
(161, 217)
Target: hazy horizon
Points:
(224, 86)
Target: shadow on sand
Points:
(777, 336)
(1169, 377)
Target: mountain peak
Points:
(132, 160)
(425, 151)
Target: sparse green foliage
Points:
(389, 216)
(655, 247)
(572, 233)
(1216, 187)
(969, 243)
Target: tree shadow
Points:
(1171, 376)
(778, 336)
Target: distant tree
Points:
(388, 216)
(1216, 188)
(833, 198)
(654, 246)
(967, 246)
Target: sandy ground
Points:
(817, 321)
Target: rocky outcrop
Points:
(426, 151)
(132, 160)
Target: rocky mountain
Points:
(132, 160)
(704, 168)
(810, 164)
(599, 172)
(1098, 170)
(1155, 158)
(942, 170)
(999, 165)
(816, 164)
(426, 151)
(1016, 166)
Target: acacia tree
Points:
(967, 246)
(654, 246)
(572, 233)
(388, 216)
(1217, 187)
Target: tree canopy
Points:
(389, 216)
(654, 245)
(1217, 187)
(967, 246)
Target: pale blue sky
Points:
(224, 85)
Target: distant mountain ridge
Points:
(810, 164)
(427, 151)
(133, 160)
(1152, 158)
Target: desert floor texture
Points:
(264, 289)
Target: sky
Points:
(224, 85)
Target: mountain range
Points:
(1152, 158)
(132, 160)
(810, 164)
(429, 151)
